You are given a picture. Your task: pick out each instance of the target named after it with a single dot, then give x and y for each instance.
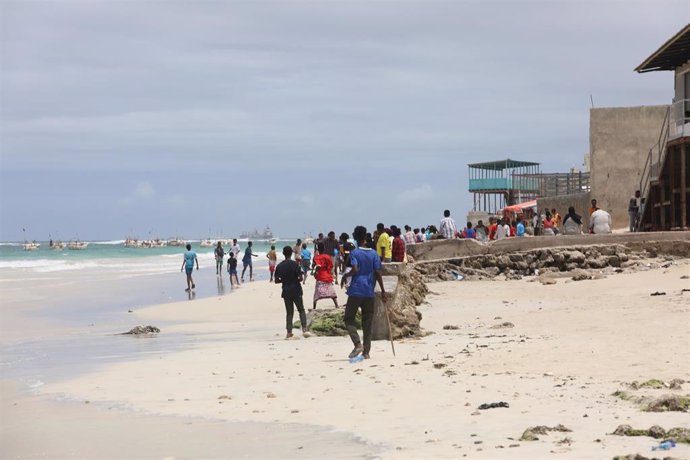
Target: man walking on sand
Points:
(188, 266)
(289, 274)
(272, 260)
(366, 266)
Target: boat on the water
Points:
(267, 234)
(157, 243)
(31, 246)
(77, 245)
(176, 242)
(207, 243)
(132, 243)
(57, 245)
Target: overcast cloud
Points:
(192, 117)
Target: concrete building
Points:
(620, 139)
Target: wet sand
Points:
(68, 429)
(571, 346)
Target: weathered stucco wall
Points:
(581, 202)
(620, 139)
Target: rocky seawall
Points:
(406, 283)
(630, 256)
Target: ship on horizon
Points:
(267, 234)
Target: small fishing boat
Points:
(77, 245)
(132, 243)
(176, 242)
(57, 245)
(207, 243)
(31, 246)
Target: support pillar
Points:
(683, 186)
(670, 167)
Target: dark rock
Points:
(493, 405)
(139, 330)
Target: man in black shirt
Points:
(289, 274)
(330, 245)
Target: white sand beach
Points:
(241, 390)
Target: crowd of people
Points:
(357, 259)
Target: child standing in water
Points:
(232, 269)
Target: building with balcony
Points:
(665, 179)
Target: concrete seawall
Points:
(448, 249)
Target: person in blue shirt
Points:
(188, 266)
(306, 262)
(468, 232)
(520, 227)
(366, 271)
(247, 261)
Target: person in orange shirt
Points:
(492, 228)
(557, 221)
(594, 207)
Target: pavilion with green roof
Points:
(497, 184)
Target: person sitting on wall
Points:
(493, 227)
(572, 223)
(593, 208)
(481, 232)
(557, 221)
(548, 224)
(469, 232)
(519, 228)
(600, 222)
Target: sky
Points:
(196, 118)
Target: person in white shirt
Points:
(448, 229)
(409, 236)
(235, 249)
(501, 230)
(600, 222)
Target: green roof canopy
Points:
(502, 164)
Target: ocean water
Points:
(91, 291)
(111, 255)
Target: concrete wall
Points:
(581, 202)
(475, 217)
(620, 139)
(449, 249)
